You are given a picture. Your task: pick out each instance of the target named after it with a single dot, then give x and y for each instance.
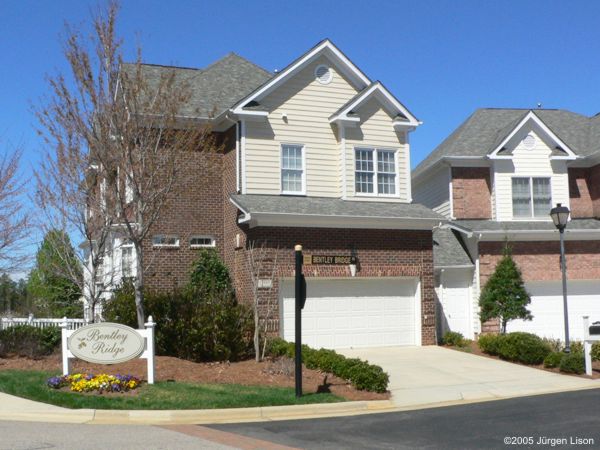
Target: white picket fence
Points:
(72, 324)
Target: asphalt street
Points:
(566, 420)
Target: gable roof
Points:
(486, 128)
(212, 89)
(402, 115)
(448, 250)
(347, 67)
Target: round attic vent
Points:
(529, 141)
(323, 74)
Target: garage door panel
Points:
(547, 309)
(353, 312)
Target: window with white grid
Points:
(292, 169)
(531, 197)
(127, 269)
(375, 171)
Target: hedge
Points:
(28, 341)
(521, 347)
(361, 374)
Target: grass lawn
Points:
(162, 395)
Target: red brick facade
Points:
(471, 193)
(380, 253)
(540, 261)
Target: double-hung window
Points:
(127, 269)
(531, 197)
(375, 171)
(292, 169)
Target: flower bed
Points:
(101, 383)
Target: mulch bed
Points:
(474, 349)
(277, 372)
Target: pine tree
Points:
(50, 282)
(504, 295)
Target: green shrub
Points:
(556, 345)
(489, 343)
(195, 325)
(28, 341)
(361, 374)
(595, 351)
(523, 347)
(209, 273)
(572, 363)
(576, 346)
(454, 339)
(553, 360)
(519, 347)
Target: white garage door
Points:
(547, 308)
(353, 312)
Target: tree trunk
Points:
(139, 286)
(504, 326)
(256, 334)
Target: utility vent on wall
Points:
(529, 141)
(323, 74)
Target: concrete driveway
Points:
(422, 376)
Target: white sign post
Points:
(588, 340)
(108, 343)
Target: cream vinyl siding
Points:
(375, 130)
(433, 191)
(308, 105)
(529, 162)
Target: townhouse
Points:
(316, 154)
(496, 178)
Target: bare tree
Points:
(262, 265)
(14, 220)
(129, 131)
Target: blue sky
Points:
(442, 59)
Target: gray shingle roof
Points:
(214, 88)
(448, 250)
(485, 129)
(492, 225)
(333, 207)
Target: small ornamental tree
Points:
(504, 295)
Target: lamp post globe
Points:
(560, 217)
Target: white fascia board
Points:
(359, 78)
(459, 266)
(378, 89)
(318, 221)
(246, 217)
(533, 117)
(538, 235)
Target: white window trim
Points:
(530, 218)
(303, 147)
(375, 192)
(166, 245)
(213, 241)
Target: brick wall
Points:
(540, 261)
(471, 193)
(196, 208)
(584, 192)
(381, 253)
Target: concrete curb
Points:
(199, 416)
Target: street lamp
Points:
(560, 217)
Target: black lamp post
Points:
(560, 217)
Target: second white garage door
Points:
(547, 308)
(354, 312)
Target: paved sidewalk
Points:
(425, 376)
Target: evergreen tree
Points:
(50, 285)
(504, 295)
